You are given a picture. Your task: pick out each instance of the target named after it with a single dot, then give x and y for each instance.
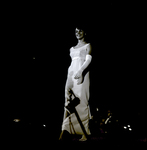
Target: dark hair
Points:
(81, 27)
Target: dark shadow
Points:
(65, 135)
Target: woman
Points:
(77, 85)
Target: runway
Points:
(31, 136)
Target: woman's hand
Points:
(79, 77)
(78, 74)
(80, 80)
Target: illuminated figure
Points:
(77, 84)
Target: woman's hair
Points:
(81, 27)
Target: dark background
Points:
(34, 88)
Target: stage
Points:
(22, 134)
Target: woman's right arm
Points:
(86, 63)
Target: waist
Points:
(74, 58)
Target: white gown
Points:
(70, 122)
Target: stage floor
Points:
(43, 140)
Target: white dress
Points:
(70, 122)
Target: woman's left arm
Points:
(86, 63)
(89, 49)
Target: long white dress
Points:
(70, 122)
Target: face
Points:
(79, 34)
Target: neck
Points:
(80, 41)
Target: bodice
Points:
(78, 53)
(78, 56)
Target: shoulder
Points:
(70, 49)
(89, 48)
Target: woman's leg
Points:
(65, 136)
(83, 138)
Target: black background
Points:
(34, 88)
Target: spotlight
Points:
(125, 127)
(129, 126)
(130, 129)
